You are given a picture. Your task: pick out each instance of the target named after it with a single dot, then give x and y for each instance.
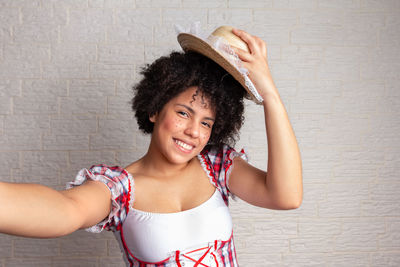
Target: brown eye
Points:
(183, 113)
(206, 124)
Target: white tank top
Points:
(152, 237)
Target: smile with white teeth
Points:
(183, 145)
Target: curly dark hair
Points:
(170, 75)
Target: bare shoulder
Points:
(135, 167)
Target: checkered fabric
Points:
(218, 162)
(120, 183)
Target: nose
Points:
(193, 129)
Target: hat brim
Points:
(189, 42)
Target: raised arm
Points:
(281, 186)
(33, 210)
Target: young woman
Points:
(169, 208)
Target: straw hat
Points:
(217, 47)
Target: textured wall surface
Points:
(66, 69)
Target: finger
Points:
(245, 65)
(247, 38)
(242, 54)
(262, 45)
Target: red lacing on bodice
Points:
(178, 253)
(198, 261)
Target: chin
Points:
(183, 158)
(180, 158)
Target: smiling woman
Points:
(171, 75)
(182, 128)
(170, 207)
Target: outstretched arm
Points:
(33, 210)
(281, 186)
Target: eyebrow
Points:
(194, 112)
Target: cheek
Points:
(205, 136)
(173, 124)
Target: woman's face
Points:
(184, 125)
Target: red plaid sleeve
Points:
(218, 162)
(120, 184)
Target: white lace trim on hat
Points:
(223, 47)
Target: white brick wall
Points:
(66, 69)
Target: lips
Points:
(183, 145)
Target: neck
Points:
(156, 164)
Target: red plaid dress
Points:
(217, 163)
